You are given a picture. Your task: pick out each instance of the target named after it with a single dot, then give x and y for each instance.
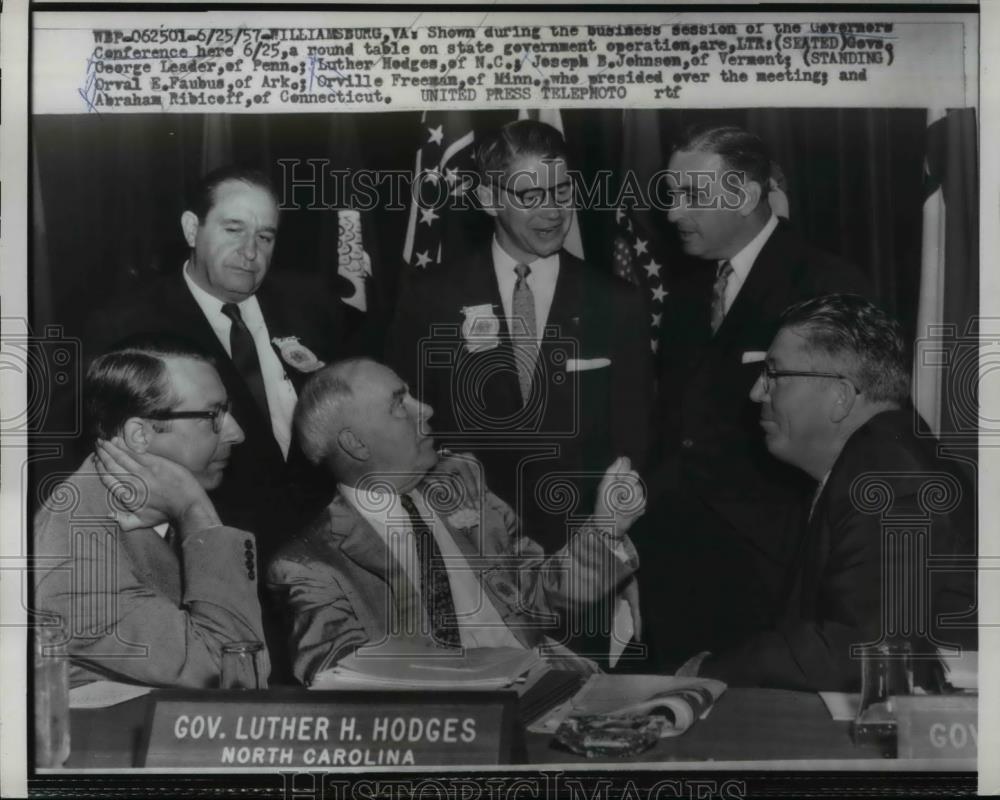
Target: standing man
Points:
(266, 333)
(397, 556)
(712, 481)
(834, 397)
(533, 358)
(148, 583)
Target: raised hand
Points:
(621, 497)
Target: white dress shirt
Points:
(278, 388)
(743, 261)
(542, 280)
(479, 622)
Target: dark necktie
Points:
(435, 589)
(524, 330)
(244, 354)
(719, 294)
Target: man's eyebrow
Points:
(400, 393)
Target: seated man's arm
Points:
(324, 626)
(815, 654)
(598, 558)
(123, 628)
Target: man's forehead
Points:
(683, 162)
(236, 196)
(532, 170)
(789, 345)
(194, 380)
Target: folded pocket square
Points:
(581, 364)
(753, 356)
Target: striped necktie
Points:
(524, 330)
(719, 294)
(435, 589)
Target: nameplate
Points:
(945, 726)
(297, 728)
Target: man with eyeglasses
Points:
(712, 484)
(134, 563)
(834, 398)
(266, 331)
(534, 360)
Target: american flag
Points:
(444, 155)
(635, 262)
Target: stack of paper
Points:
(473, 668)
(101, 694)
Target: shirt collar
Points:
(503, 261)
(743, 260)
(376, 502)
(161, 529)
(211, 306)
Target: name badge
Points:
(944, 726)
(298, 728)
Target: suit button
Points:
(687, 444)
(251, 574)
(248, 544)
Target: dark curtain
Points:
(108, 192)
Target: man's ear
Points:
(752, 193)
(189, 224)
(136, 433)
(352, 446)
(484, 193)
(844, 399)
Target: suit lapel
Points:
(360, 543)
(480, 286)
(245, 408)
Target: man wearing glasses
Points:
(135, 565)
(834, 397)
(534, 360)
(723, 513)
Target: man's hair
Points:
(130, 380)
(320, 408)
(740, 150)
(202, 195)
(868, 340)
(527, 137)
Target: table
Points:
(745, 725)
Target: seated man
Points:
(133, 560)
(398, 556)
(834, 397)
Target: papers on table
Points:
(101, 694)
(843, 706)
(421, 668)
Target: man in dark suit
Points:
(267, 334)
(400, 556)
(148, 583)
(834, 403)
(719, 569)
(534, 359)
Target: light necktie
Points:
(524, 330)
(435, 589)
(719, 294)
(244, 354)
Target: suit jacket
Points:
(132, 610)
(724, 512)
(342, 588)
(575, 423)
(260, 490)
(841, 574)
